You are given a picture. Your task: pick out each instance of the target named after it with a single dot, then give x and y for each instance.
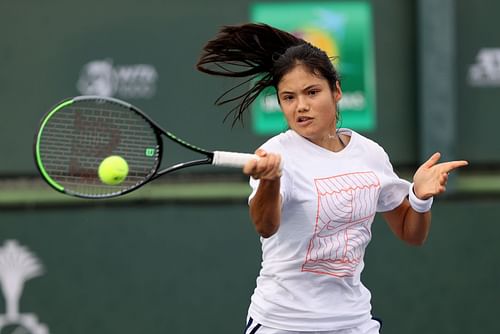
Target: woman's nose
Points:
(302, 105)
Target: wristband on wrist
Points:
(419, 205)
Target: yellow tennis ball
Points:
(113, 170)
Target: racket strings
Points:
(78, 137)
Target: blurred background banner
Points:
(181, 255)
(126, 81)
(345, 32)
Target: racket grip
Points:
(232, 159)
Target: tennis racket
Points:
(77, 134)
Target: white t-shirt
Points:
(311, 267)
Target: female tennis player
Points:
(314, 214)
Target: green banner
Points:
(342, 30)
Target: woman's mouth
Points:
(303, 119)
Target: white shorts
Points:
(372, 326)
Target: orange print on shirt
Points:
(346, 207)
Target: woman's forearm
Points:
(265, 207)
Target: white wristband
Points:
(419, 205)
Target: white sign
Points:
(486, 70)
(103, 78)
(17, 265)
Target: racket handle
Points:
(232, 159)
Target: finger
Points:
(250, 167)
(260, 152)
(432, 160)
(443, 179)
(272, 169)
(447, 167)
(259, 170)
(264, 165)
(254, 167)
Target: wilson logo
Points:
(150, 152)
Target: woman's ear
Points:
(338, 92)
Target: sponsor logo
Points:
(344, 32)
(103, 78)
(486, 70)
(17, 265)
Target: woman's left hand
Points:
(430, 178)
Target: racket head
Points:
(78, 133)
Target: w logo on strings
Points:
(346, 208)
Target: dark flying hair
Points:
(262, 53)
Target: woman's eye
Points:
(313, 92)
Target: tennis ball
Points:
(113, 170)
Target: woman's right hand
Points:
(267, 167)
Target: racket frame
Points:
(158, 130)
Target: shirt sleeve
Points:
(393, 188)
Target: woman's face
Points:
(309, 105)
